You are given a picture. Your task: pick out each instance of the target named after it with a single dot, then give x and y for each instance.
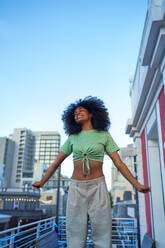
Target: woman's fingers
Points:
(36, 185)
(143, 189)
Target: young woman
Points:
(87, 123)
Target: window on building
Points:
(50, 197)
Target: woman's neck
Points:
(87, 126)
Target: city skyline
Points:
(27, 156)
(54, 53)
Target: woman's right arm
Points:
(60, 158)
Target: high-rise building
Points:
(33, 154)
(47, 145)
(23, 155)
(6, 160)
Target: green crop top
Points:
(89, 144)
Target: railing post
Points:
(46, 224)
(53, 223)
(11, 244)
(18, 230)
(58, 194)
(38, 231)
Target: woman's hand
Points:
(127, 173)
(143, 188)
(37, 185)
(61, 156)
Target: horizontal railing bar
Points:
(30, 229)
(44, 235)
(45, 230)
(123, 218)
(32, 223)
(15, 235)
(19, 240)
(127, 245)
(25, 232)
(121, 227)
(7, 245)
(33, 234)
(123, 235)
(118, 240)
(23, 245)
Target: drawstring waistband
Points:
(84, 183)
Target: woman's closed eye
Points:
(80, 111)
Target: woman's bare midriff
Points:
(95, 170)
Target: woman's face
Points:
(81, 115)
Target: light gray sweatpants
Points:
(88, 197)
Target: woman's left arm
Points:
(127, 173)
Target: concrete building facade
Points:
(47, 146)
(121, 189)
(7, 147)
(23, 155)
(147, 125)
(27, 155)
(34, 152)
(20, 204)
(48, 197)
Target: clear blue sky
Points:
(53, 52)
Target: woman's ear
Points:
(90, 114)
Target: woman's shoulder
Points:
(93, 131)
(103, 132)
(106, 135)
(71, 136)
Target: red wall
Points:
(162, 116)
(145, 176)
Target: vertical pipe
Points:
(137, 203)
(58, 195)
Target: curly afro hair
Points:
(100, 117)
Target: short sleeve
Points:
(110, 145)
(66, 147)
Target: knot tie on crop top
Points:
(89, 145)
(90, 153)
(85, 158)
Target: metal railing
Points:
(124, 233)
(26, 235)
